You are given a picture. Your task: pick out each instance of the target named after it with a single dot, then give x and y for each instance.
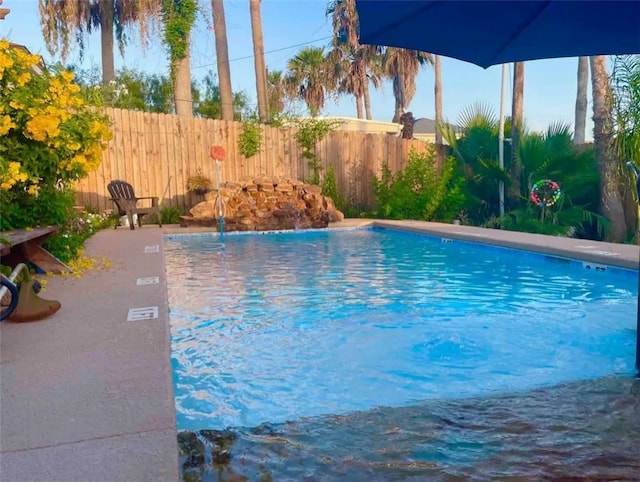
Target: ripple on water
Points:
(588, 430)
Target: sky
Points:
(289, 25)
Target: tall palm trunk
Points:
(106, 39)
(182, 85)
(437, 90)
(359, 100)
(222, 57)
(399, 108)
(517, 116)
(611, 205)
(397, 113)
(367, 97)
(581, 101)
(258, 56)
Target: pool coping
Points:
(88, 395)
(611, 254)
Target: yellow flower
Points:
(57, 112)
(6, 61)
(23, 78)
(12, 176)
(33, 190)
(74, 146)
(14, 104)
(6, 124)
(68, 76)
(42, 126)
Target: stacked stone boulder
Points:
(265, 204)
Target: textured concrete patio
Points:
(87, 395)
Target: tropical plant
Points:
(476, 153)
(626, 96)
(310, 78)
(553, 155)
(549, 155)
(625, 82)
(66, 23)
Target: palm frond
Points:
(479, 114)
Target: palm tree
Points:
(66, 22)
(351, 77)
(437, 87)
(178, 17)
(611, 205)
(402, 67)
(581, 101)
(258, 56)
(354, 62)
(310, 78)
(276, 91)
(222, 58)
(517, 117)
(181, 70)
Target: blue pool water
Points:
(282, 326)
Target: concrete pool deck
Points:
(88, 395)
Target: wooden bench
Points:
(21, 244)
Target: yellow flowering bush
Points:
(49, 138)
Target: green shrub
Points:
(330, 189)
(68, 243)
(419, 191)
(171, 214)
(249, 139)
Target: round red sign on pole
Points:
(217, 152)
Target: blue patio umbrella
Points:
(488, 33)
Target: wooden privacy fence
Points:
(157, 153)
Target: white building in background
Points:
(424, 129)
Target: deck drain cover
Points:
(138, 314)
(153, 280)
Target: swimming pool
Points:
(269, 328)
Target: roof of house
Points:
(3, 11)
(37, 68)
(424, 125)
